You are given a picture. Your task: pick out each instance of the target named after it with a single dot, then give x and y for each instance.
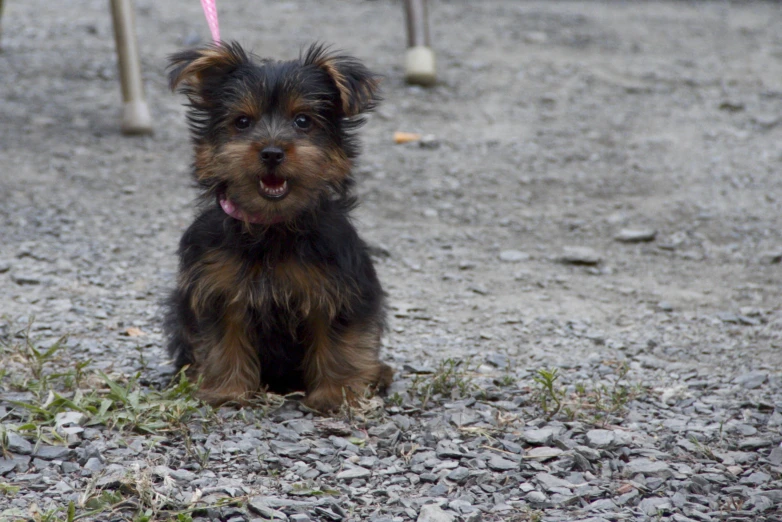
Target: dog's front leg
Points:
(228, 361)
(342, 365)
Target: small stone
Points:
(665, 306)
(385, 431)
(434, 513)
(5, 266)
(299, 517)
(513, 256)
(623, 499)
(24, 278)
(640, 235)
(448, 450)
(600, 438)
(18, 444)
(755, 479)
(551, 483)
(19, 464)
(754, 443)
(464, 418)
(543, 453)
(735, 470)
(766, 121)
(761, 503)
(93, 464)
(438, 490)
(459, 475)
(535, 497)
(498, 463)
(576, 255)
(260, 507)
(288, 449)
(182, 475)
(47, 452)
(333, 512)
(771, 258)
(353, 473)
(654, 506)
(498, 360)
(751, 380)
(590, 453)
(110, 481)
(775, 495)
(601, 504)
(429, 141)
(461, 506)
(540, 436)
(428, 477)
(775, 457)
(648, 468)
(69, 419)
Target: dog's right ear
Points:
(197, 72)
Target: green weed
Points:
(451, 379)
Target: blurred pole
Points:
(1, 25)
(135, 115)
(419, 59)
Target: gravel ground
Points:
(583, 260)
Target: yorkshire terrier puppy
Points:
(276, 290)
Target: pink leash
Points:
(210, 12)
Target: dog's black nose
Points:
(272, 156)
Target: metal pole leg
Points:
(1, 25)
(135, 114)
(419, 59)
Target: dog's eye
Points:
(302, 121)
(242, 122)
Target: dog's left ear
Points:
(358, 87)
(198, 73)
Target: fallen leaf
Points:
(133, 332)
(405, 137)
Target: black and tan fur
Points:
(280, 294)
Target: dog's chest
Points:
(288, 284)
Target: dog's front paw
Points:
(327, 399)
(220, 397)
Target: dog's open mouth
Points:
(230, 208)
(273, 187)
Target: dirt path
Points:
(555, 125)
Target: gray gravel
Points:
(597, 193)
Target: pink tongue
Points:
(231, 209)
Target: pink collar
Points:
(232, 210)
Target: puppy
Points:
(275, 289)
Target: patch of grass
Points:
(119, 403)
(527, 515)
(549, 394)
(452, 379)
(8, 490)
(307, 489)
(593, 403)
(48, 383)
(703, 449)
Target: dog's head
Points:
(272, 137)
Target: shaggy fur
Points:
(276, 290)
